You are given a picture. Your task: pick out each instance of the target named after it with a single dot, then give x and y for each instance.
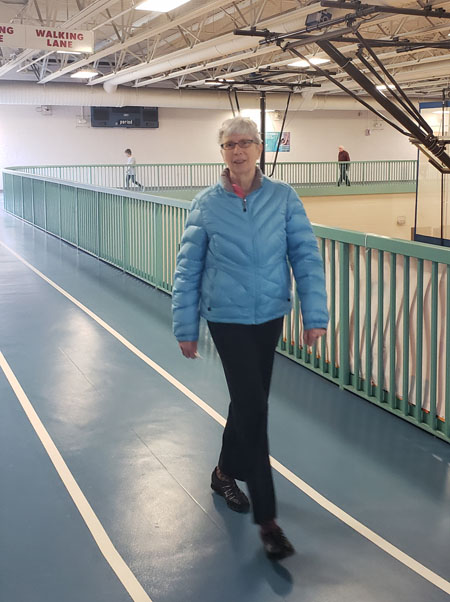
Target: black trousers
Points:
(247, 353)
(343, 174)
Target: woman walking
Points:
(232, 269)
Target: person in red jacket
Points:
(343, 158)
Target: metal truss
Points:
(345, 29)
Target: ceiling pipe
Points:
(27, 93)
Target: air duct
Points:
(25, 93)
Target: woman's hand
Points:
(312, 335)
(188, 349)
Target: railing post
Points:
(332, 327)
(32, 201)
(21, 194)
(59, 209)
(344, 311)
(124, 236)
(159, 251)
(380, 328)
(368, 319)
(76, 219)
(405, 363)
(419, 341)
(45, 205)
(434, 343)
(392, 329)
(97, 197)
(356, 314)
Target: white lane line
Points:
(343, 516)
(112, 556)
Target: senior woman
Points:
(232, 269)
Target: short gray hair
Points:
(239, 125)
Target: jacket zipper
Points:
(255, 259)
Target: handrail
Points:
(318, 176)
(79, 185)
(124, 165)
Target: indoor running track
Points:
(108, 437)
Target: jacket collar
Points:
(226, 182)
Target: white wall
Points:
(29, 137)
(316, 135)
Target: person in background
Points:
(240, 238)
(343, 158)
(131, 170)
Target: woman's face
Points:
(241, 161)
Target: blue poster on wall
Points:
(272, 142)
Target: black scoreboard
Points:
(124, 117)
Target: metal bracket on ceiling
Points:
(399, 107)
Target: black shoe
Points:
(227, 488)
(276, 544)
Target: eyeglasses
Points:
(242, 144)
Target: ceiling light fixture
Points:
(69, 52)
(314, 61)
(160, 6)
(383, 87)
(84, 74)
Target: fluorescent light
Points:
(446, 111)
(222, 82)
(383, 87)
(84, 73)
(314, 61)
(160, 6)
(68, 52)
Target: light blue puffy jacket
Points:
(233, 260)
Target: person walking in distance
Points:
(131, 170)
(343, 158)
(241, 237)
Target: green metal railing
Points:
(134, 232)
(177, 176)
(389, 334)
